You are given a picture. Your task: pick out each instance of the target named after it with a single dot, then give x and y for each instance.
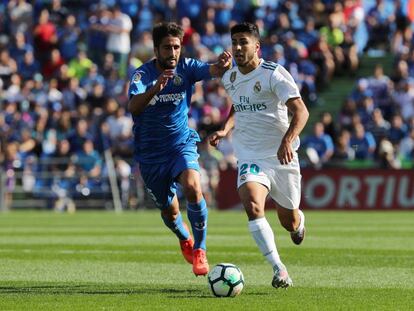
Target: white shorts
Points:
(283, 181)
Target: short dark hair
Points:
(166, 29)
(249, 28)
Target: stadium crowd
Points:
(65, 66)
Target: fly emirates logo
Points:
(244, 105)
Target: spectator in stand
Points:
(309, 35)
(398, 129)
(8, 66)
(379, 20)
(211, 38)
(58, 13)
(406, 147)
(378, 126)
(51, 68)
(79, 66)
(45, 37)
(222, 14)
(68, 38)
(92, 78)
(27, 146)
(119, 43)
(20, 13)
(329, 125)
(323, 58)
(20, 47)
(191, 9)
(96, 98)
(64, 125)
(363, 143)
(343, 150)
(96, 34)
(79, 136)
(350, 52)
(381, 85)
(365, 108)
(13, 92)
(29, 66)
(120, 130)
(334, 37)
(73, 95)
(401, 72)
(403, 99)
(319, 146)
(89, 165)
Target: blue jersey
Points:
(162, 128)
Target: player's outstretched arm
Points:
(139, 102)
(214, 138)
(298, 122)
(223, 64)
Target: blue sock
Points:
(177, 227)
(197, 214)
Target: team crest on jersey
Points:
(233, 76)
(257, 87)
(243, 177)
(137, 77)
(177, 80)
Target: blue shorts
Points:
(160, 179)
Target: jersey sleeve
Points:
(197, 70)
(283, 85)
(137, 85)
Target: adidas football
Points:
(225, 280)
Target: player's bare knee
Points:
(254, 210)
(170, 214)
(192, 192)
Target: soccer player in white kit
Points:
(265, 143)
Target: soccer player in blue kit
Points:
(165, 147)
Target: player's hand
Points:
(225, 60)
(285, 153)
(214, 138)
(163, 79)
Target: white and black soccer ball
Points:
(226, 280)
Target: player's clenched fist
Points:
(214, 138)
(224, 59)
(163, 79)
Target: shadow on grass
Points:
(96, 289)
(93, 289)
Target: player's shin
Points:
(177, 226)
(197, 214)
(263, 235)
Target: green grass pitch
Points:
(130, 261)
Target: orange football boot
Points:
(187, 246)
(200, 263)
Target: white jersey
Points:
(261, 116)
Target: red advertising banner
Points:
(341, 189)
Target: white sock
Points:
(302, 221)
(265, 240)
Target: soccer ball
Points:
(226, 280)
